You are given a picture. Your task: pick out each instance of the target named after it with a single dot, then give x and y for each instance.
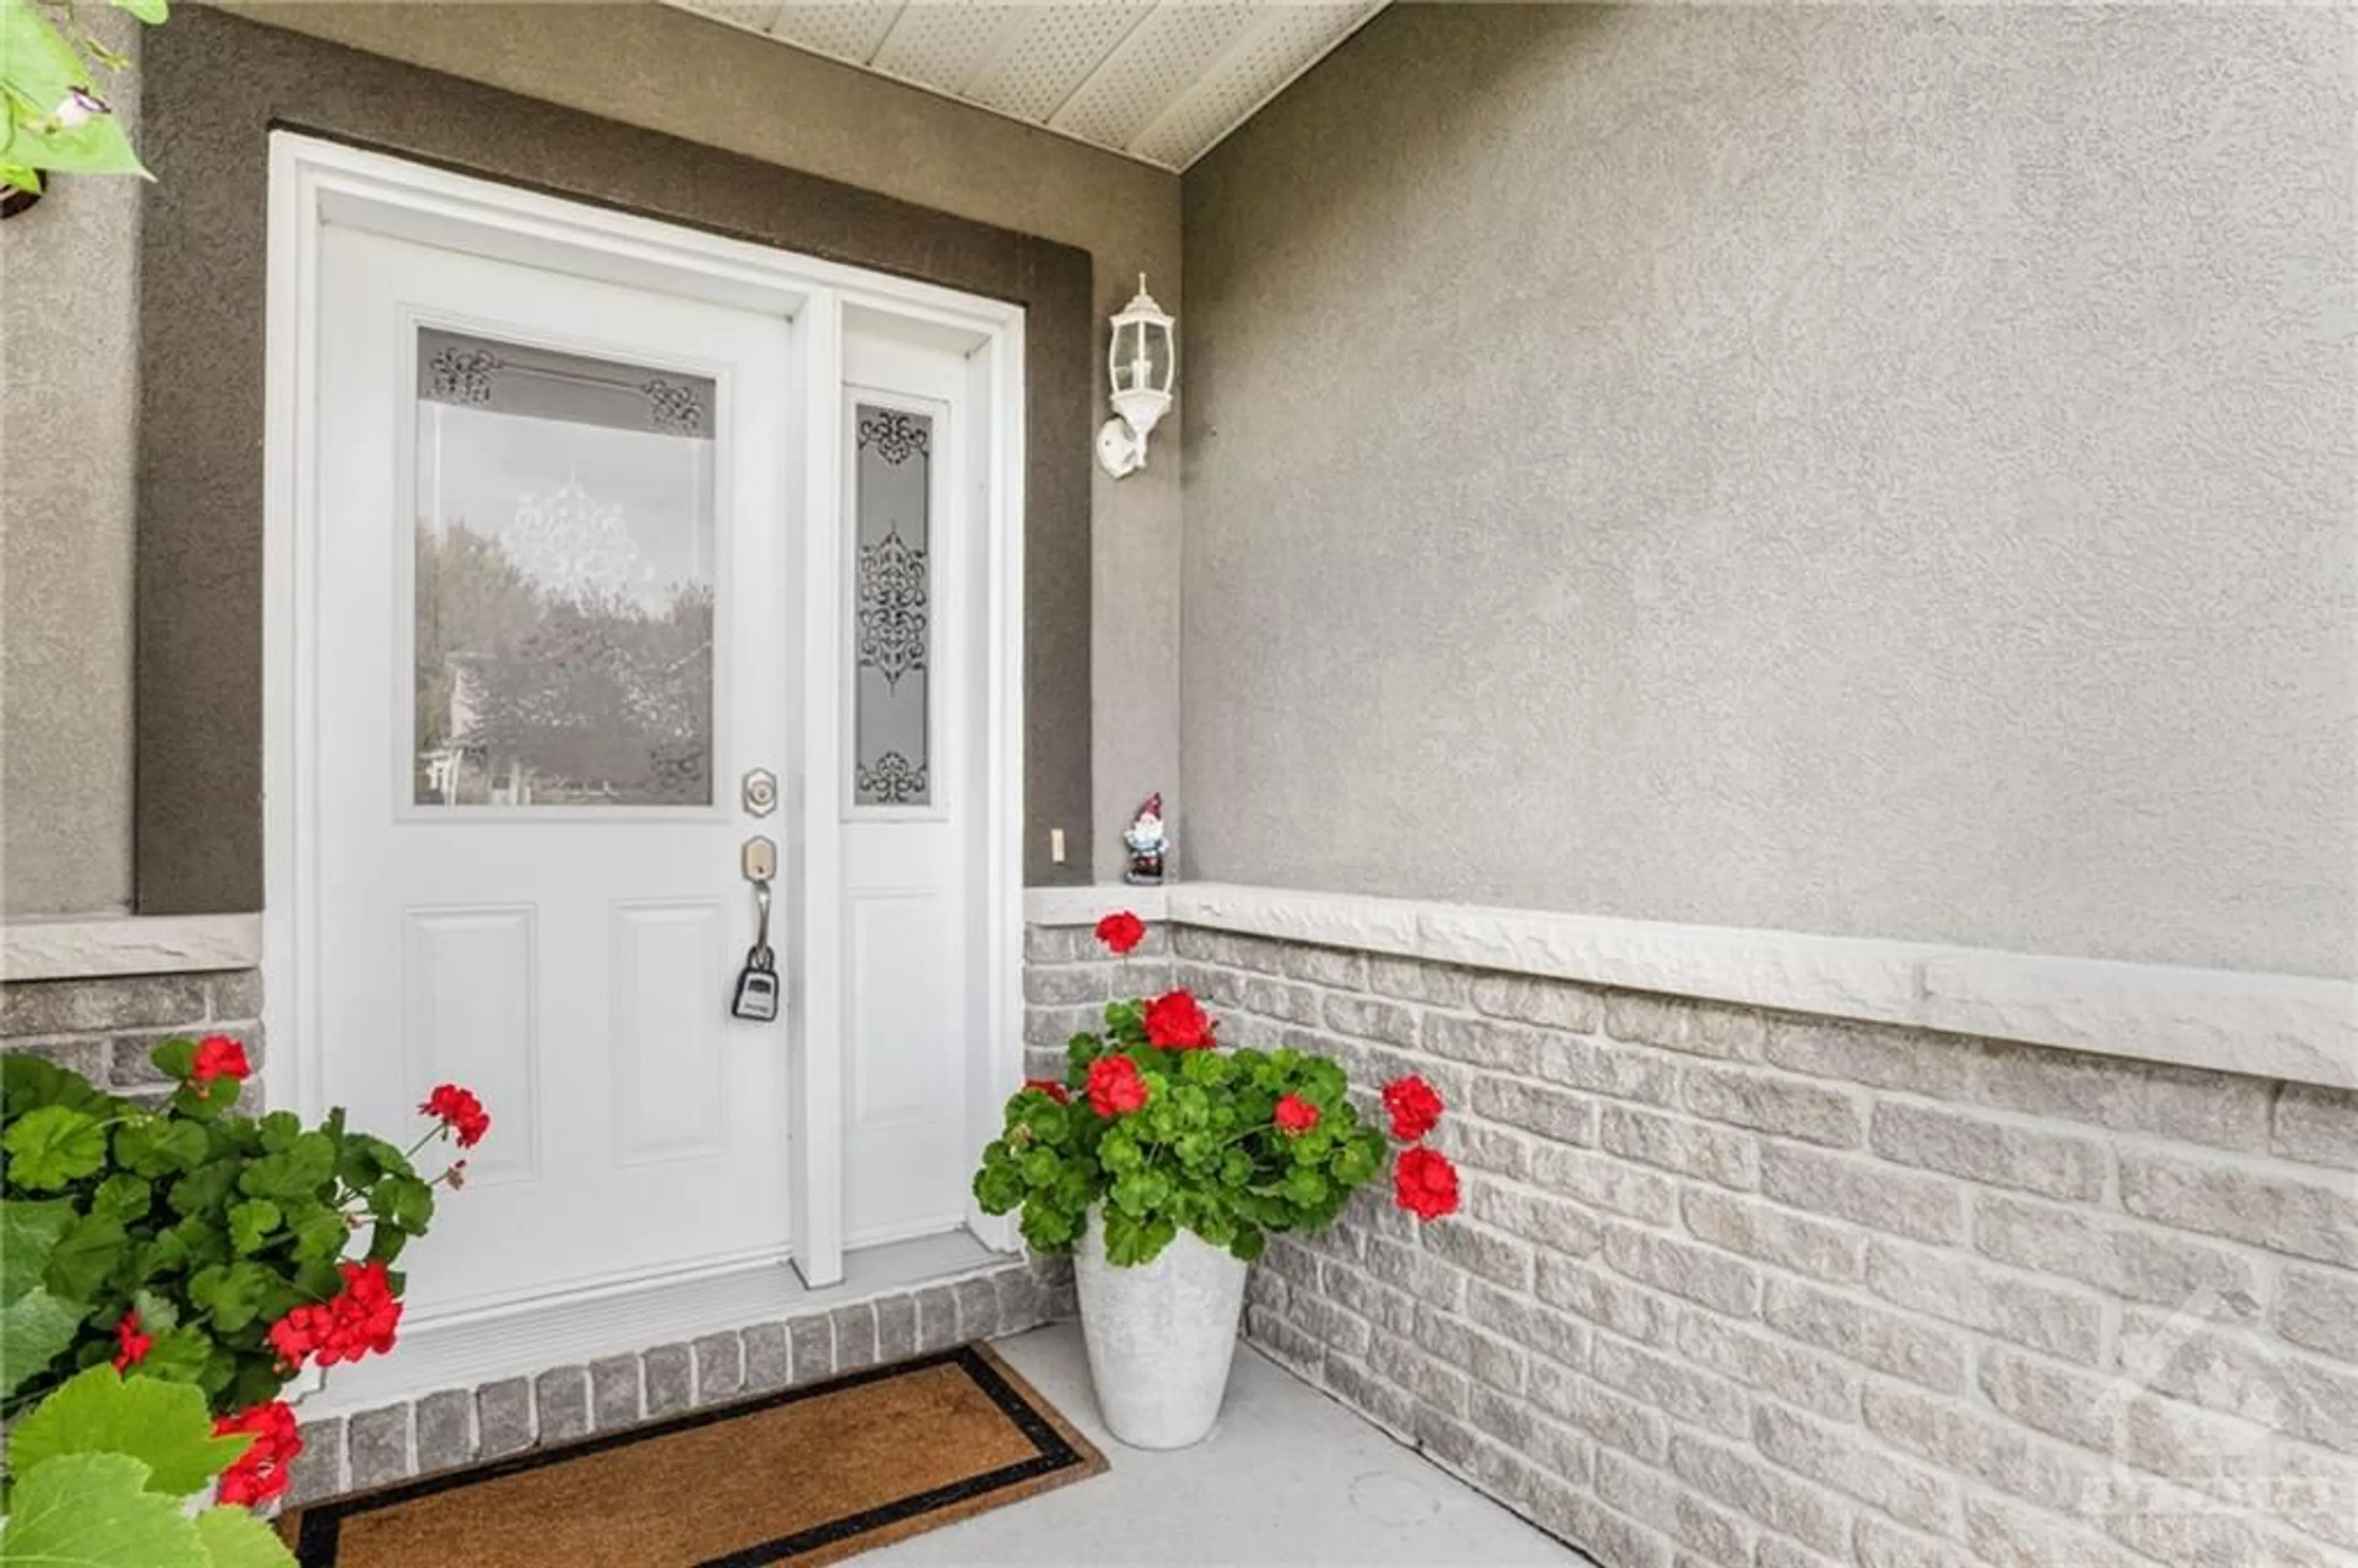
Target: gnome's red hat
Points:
(1153, 807)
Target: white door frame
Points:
(314, 183)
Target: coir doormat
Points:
(805, 1476)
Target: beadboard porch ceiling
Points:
(1162, 83)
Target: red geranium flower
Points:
(1115, 1087)
(1414, 1108)
(1175, 1022)
(363, 1318)
(1051, 1087)
(1121, 931)
(459, 1109)
(133, 1345)
(218, 1056)
(1295, 1114)
(260, 1473)
(1425, 1183)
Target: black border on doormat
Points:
(320, 1524)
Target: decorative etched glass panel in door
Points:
(564, 589)
(893, 615)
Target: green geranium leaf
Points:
(53, 1146)
(251, 1223)
(321, 1234)
(307, 1164)
(29, 1232)
(31, 1082)
(94, 1510)
(180, 1355)
(233, 1538)
(402, 1202)
(205, 1189)
(121, 1196)
(175, 1058)
(158, 1146)
(166, 1426)
(363, 1159)
(209, 1102)
(280, 1130)
(156, 1312)
(34, 1330)
(998, 1189)
(235, 1294)
(84, 1256)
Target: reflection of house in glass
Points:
(564, 647)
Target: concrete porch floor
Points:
(1288, 1478)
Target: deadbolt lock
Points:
(759, 861)
(761, 792)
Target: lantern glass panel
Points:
(1157, 339)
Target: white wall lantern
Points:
(1143, 358)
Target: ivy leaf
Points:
(84, 1256)
(53, 1146)
(251, 1223)
(167, 1427)
(233, 1538)
(93, 1511)
(151, 11)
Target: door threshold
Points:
(527, 1337)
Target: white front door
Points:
(559, 594)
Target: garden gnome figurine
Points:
(1148, 843)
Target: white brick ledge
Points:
(2271, 1026)
(95, 947)
(1086, 905)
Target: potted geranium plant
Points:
(1163, 1161)
(189, 1244)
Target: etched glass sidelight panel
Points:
(892, 607)
(564, 589)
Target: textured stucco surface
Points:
(68, 340)
(667, 70)
(1856, 470)
(215, 86)
(71, 383)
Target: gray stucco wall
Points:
(69, 293)
(71, 387)
(1864, 471)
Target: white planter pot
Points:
(1160, 1337)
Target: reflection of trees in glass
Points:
(573, 697)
